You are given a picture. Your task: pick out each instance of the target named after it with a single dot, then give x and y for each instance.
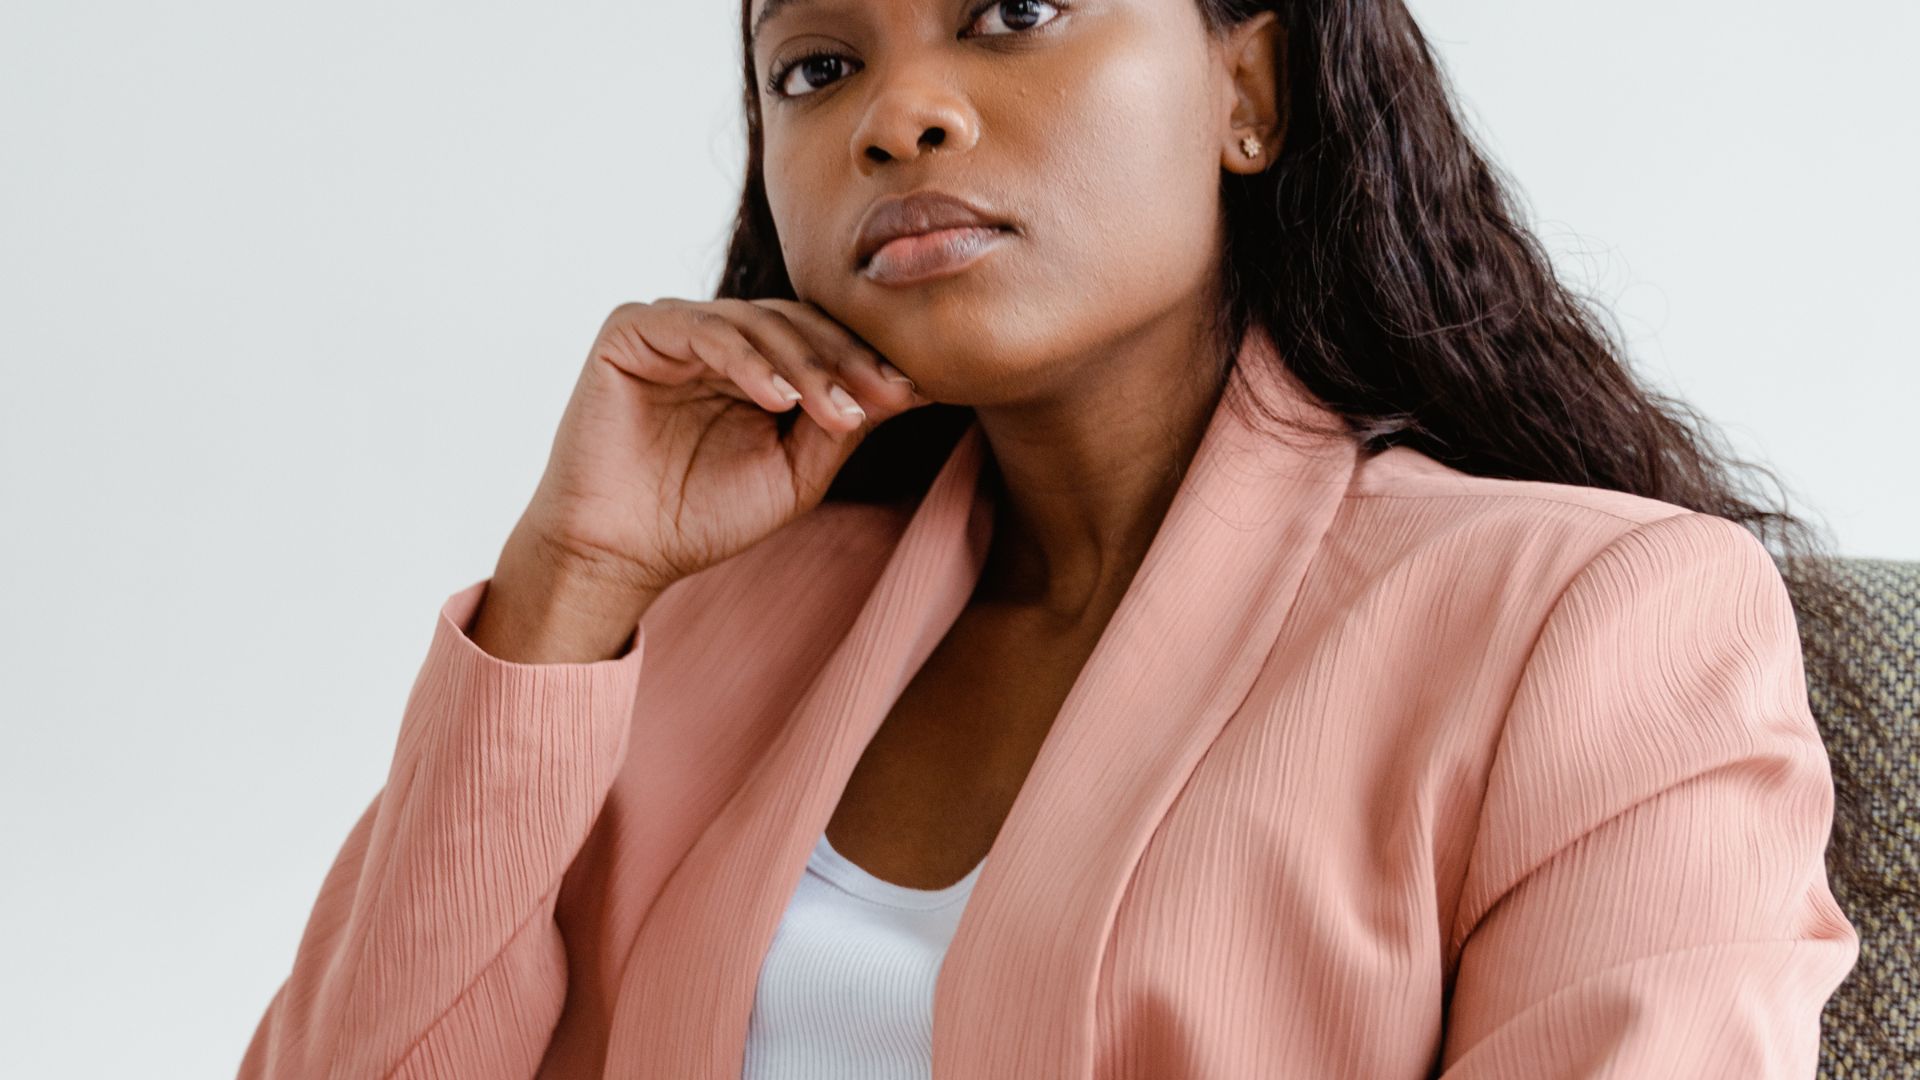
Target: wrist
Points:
(544, 607)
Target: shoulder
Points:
(1410, 518)
(1402, 473)
(1402, 483)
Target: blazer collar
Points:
(1016, 992)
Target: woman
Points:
(1019, 703)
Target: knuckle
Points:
(718, 334)
(623, 313)
(741, 350)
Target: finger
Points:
(666, 359)
(716, 383)
(828, 395)
(698, 332)
(876, 379)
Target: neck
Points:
(1084, 474)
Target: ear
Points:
(1254, 56)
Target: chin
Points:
(959, 340)
(936, 321)
(927, 355)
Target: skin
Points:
(1075, 341)
(1100, 130)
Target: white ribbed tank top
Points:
(846, 989)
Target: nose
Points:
(911, 114)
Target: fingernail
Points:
(785, 389)
(894, 374)
(846, 404)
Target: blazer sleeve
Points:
(1648, 894)
(432, 949)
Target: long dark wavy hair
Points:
(1386, 257)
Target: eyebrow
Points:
(773, 7)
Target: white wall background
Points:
(291, 299)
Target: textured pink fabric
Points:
(1380, 771)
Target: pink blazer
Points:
(1380, 771)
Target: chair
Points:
(1887, 648)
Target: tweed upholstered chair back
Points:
(1886, 647)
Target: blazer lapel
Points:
(1015, 995)
(689, 982)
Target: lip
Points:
(926, 213)
(917, 257)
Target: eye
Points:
(1021, 21)
(818, 62)
(818, 68)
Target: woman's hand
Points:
(670, 456)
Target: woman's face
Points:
(1094, 127)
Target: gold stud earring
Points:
(1250, 145)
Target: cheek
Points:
(1130, 172)
(786, 202)
(798, 199)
